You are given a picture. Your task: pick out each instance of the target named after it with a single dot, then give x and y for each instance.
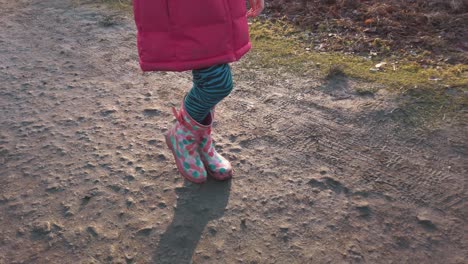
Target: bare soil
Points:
(322, 174)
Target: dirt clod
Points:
(41, 227)
(93, 230)
(130, 201)
(145, 231)
(426, 221)
(363, 209)
(54, 187)
(151, 112)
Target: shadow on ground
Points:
(196, 206)
(337, 85)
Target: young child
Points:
(202, 36)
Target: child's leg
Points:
(210, 86)
(190, 139)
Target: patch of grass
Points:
(366, 90)
(431, 107)
(427, 94)
(108, 21)
(278, 44)
(335, 71)
(123, 5)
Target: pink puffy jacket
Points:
(179, 35)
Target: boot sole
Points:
(213, 175)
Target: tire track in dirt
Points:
(327, 143)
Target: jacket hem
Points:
(195, 64)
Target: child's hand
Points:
(256, 7)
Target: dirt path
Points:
(322, 175)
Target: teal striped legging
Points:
(210, 86)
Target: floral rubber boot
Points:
(216, 165)
(183, 140)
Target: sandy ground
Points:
(322, 175)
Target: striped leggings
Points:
(210, 86)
